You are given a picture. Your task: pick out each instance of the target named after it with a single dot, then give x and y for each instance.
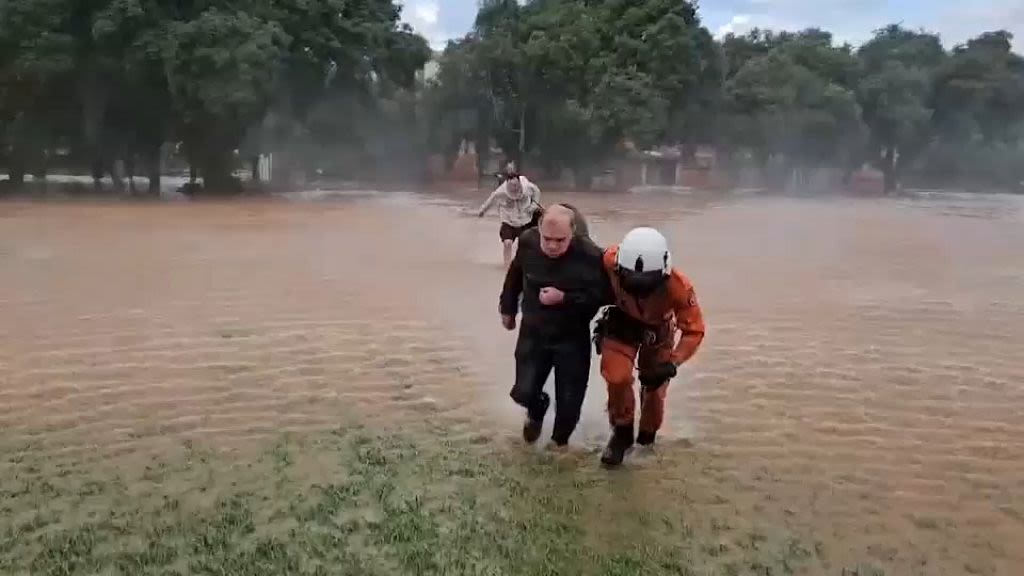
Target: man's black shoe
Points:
(535, 419)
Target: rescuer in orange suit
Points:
(652, 303)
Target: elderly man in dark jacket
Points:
(559, 274)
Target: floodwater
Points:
(862, 376)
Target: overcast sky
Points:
(850, 20)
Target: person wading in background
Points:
(563, 284)
(652, 302)
(519, 209)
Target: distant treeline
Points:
(558, 84)
(84, 83)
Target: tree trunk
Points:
(284, 166)
(18, 131)
(522, 139)
(216, 171)
(583, 175)
(153, 167)
(116, 170)
(92, 119)
(40, 165)
(889, 169)
(483, 141)
(97, 172)
(129, 168)
(16, 173)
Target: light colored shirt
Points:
(514, 210)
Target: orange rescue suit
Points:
(672, 309)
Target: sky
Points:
(849, 20)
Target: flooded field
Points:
(856, 407)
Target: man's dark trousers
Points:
(536, 355)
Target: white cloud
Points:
(959, 23)
(851, 21)
(854, 21)
(795, 15)
(425, 18)
(739, 24)
(426, 12)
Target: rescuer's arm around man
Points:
(596, 291)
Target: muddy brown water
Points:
(862, 376)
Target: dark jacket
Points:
(579, 273)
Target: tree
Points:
(814, 50)
(457, 101)
(36, 74)
(563, 62)
(664, 41)
(129, 75)
(567, 80)
(221, 69)
(130, 36)
(979, 91)
(895, 95)
(560, 83)
(341, 59)
(499, 58)
(804, 116)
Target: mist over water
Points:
(861, 368)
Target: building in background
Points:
(666, 167)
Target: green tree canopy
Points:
(555, 83)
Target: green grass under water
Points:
(360, 503)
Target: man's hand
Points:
(551, 296)
(657, 375)
(509, 322)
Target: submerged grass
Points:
(360, 503)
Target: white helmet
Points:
(644, 250)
